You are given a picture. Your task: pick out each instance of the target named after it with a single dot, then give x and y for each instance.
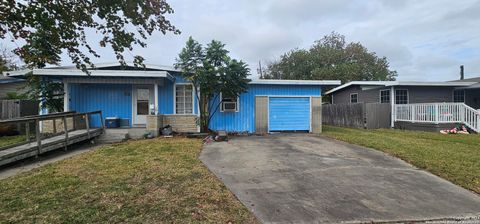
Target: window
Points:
(385, 96)
(459, 96)
(401, 96)
(143, 96)
(183, 99)
(354, 98)
(229, 104)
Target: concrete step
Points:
(113, 136)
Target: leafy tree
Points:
(7, 60)
(50, 27)
(51, 92)
(331, 58)
(7, 63)
(211, 71)
(16, 96)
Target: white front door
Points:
(142, 99)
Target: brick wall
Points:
(181, 123)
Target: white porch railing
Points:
(439, 113)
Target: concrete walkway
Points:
(299, 178)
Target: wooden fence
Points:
(357, 115)
(10, 109)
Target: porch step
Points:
(113, 135)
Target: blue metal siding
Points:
(114, 100)
(289, 114)
(165, 98)
(179, 78)
(244, 119)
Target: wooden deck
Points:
(56, 142)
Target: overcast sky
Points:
(423, 40)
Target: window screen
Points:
(354, 98)
(385, 96)
(401, 96)
(459, 96)
(183, 99)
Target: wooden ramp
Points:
(54, 140)
(57, 142)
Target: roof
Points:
(117, 64)
(476, 79)
(399, 83)
(6, 80)
(101, 70)
(474, 86)
(150, 71)
(295, 82)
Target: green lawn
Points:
(148, 181)
(453, 157)
(9, 140)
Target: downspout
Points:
(392, 103)
(66, 97)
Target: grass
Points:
(10, 140)
(148, 181)
(453, 157)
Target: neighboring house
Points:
(406, 92)
(418, 102)
(136, 94)
(472, 92)
(10, 85)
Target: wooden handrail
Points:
(48, 116)
(438, 113)
(39, 134)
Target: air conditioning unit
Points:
(229, 106)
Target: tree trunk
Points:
(203, 114)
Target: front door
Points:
(142, 99)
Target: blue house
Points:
(140, 96)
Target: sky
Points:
(423, 40)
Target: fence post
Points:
(413, 111)
(87, 123)
(478, 120)
(65, 127)
(54, 126)
(101, 121)
(437, 113)
(27, 131)
(74, 119)
(39, 138)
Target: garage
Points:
(289, 114)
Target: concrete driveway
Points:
(300, 178)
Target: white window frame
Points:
(351, 94)
(380, 96)
(464, 96)
(175, 98)
(237, 107)
(408, 96)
